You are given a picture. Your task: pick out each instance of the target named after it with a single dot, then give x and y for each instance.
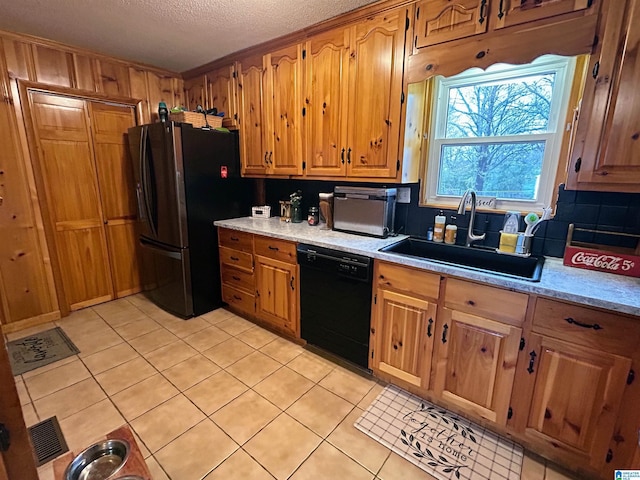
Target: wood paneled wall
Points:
(27, 287)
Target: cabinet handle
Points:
(501, 10)
(483, 11)
(570, 320)
(237, 279)
(444, 333)
(237, 297)
(429, 327)
(270, 157)
(532, 361)
(273, 248)
(291, 283)
(265, 158)
(342, 156)
(235, 239)
(235, 259)
(349, 156)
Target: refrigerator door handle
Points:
(141, 213)
(161, 251)
(145, 183)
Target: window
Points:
(498, 131)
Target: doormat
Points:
(39, 349)
(437, 441)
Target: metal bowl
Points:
(98, 462)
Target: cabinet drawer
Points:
(239, 299)
(605, 331)
(407, 280)
(484, 301)
(234, 239)
(238, 278)
(236, 258)
(276, 249)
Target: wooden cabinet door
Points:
(162, 88)
(113, 78)
(326, 103)
(253, 157)
(84, 73)
(439, 21)
(140, 91)
(404, 331)
(576, 396)
(26, 285)
(607, 152)
(221, 85)
(515, 12)
(475, 363)
(52, 66)
(195, 92)
(117, 187)
(282, 102)
(375, 90)
(65, 161)
(277, 293)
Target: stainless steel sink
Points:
(475, 258)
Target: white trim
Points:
(564, 69)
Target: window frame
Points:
(436, 118)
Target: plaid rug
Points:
(437, 441)
(39, 349)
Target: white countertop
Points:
(604, 290)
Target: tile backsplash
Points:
(605, 211)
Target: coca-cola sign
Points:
(602, 261)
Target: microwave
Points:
(364, 210)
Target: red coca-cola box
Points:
(601, 260)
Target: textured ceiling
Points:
(173, 34)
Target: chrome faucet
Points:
(462, 210)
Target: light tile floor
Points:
(215, 397)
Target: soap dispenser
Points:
(438, 227)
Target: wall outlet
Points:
(404, 195)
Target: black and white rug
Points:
(442, 444)
(39, 349)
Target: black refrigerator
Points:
(186, 178)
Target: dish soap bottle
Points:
(438, 227)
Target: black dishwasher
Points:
(335, 301)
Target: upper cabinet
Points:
(253, 157)
(606, 154)
(195, 92)
(438, 21)
(282, 110)
(353, 98)
(326, 103)
(516, 12)
(221, 94)
(270, 97)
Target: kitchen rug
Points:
(39, 349)
(442, 444)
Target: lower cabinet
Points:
(404, 337)
(475, 363)
(576, 395)
(403, 323)
(277, 294)
(260, 277)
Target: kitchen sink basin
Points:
(476, 258)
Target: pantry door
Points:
(17, 462)
(65, 165)
(109, 124)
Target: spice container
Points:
(314, 216)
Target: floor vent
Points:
(47, 440)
